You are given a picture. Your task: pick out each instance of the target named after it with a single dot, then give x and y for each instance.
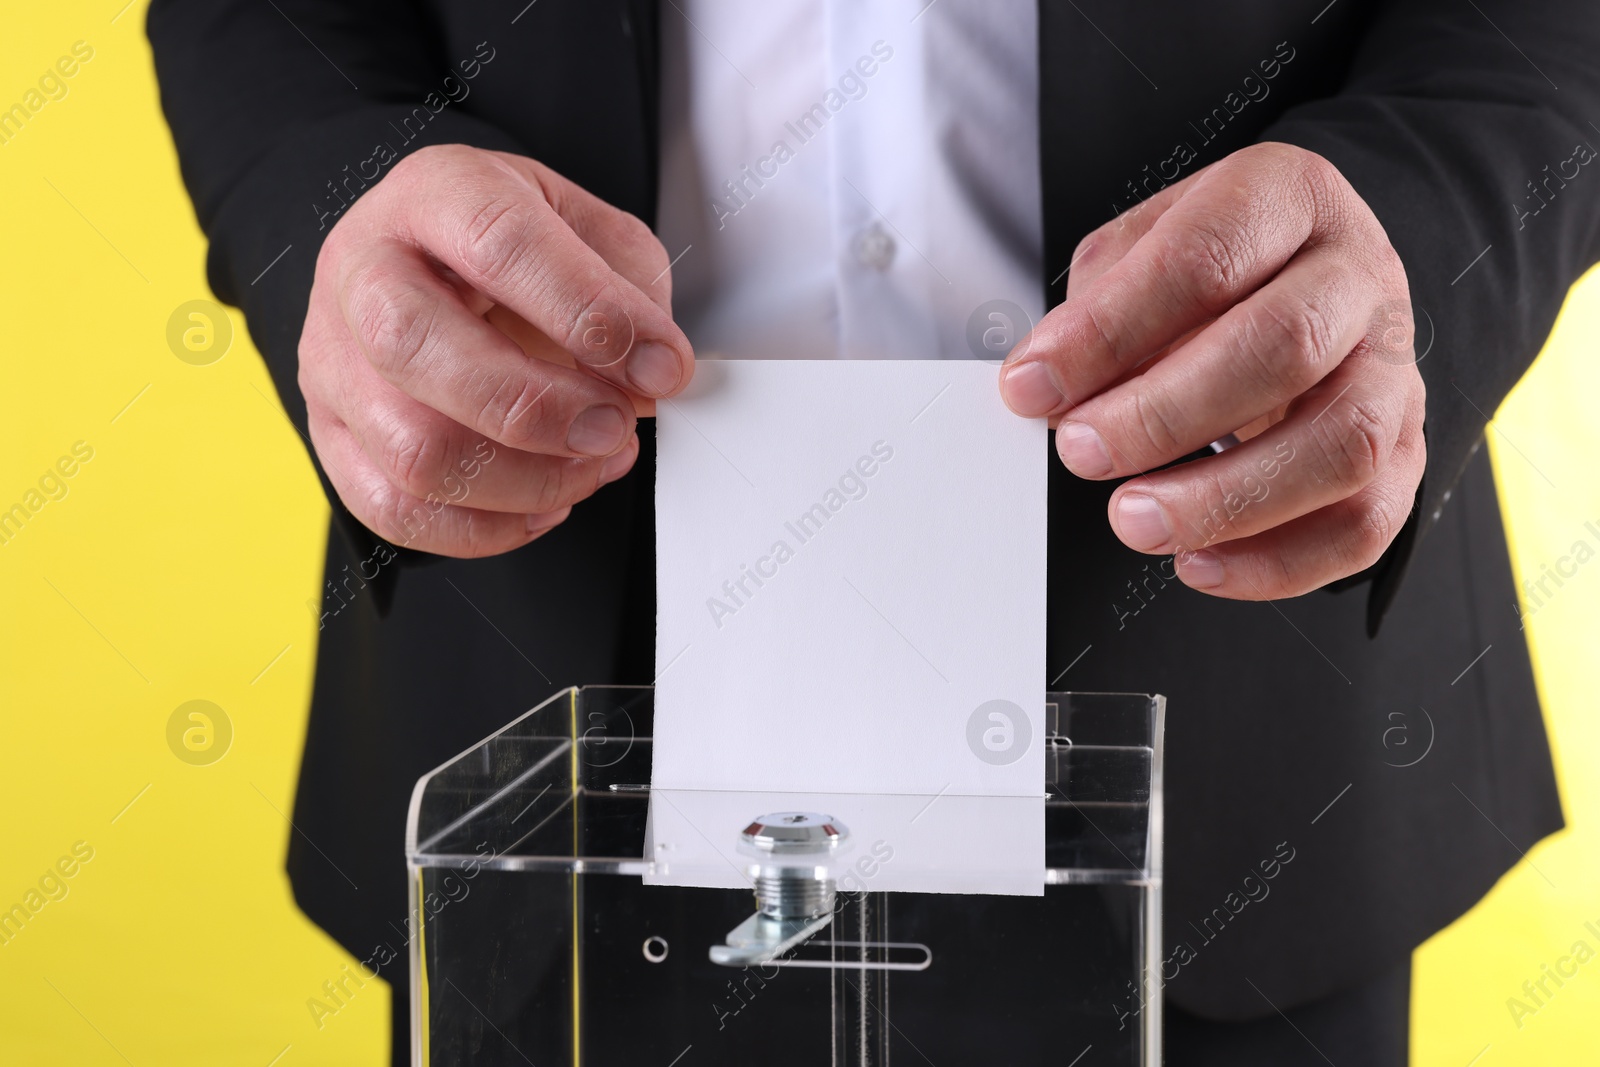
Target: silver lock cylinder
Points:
(794, 890)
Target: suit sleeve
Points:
(1467, 125)
(282, 114)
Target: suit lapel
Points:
(642, 20)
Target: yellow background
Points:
(179, 565)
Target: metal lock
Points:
(794, 888)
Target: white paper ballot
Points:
(850, 582)
(894, 843)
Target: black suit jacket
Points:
(1288, 722)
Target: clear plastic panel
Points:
(543, 933)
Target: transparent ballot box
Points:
(567, 914)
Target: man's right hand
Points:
(438, 430)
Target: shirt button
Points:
(874, 247)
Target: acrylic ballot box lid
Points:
(511, 801)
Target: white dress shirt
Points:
(849, 179)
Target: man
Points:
(1336, 232)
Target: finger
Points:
(1259, 356)
(417, 334)
(536, 345)
(401, 519)
(1104, 248)
(427, 455)
(621, 239)
(1333, 443)
(1334, 542)
(496, 228)
(1227, 235)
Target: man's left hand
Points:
(1261, 297)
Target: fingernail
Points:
(597, 431)
(619, 464)
(1082, 450)
(654, 369)
(1028, 389)
(1200, 570)
(1142, 523)
(539, 524)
